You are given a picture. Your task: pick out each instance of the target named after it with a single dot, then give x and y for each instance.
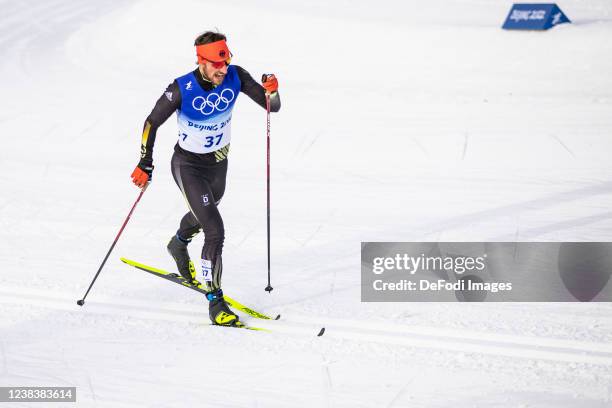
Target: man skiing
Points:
(203, 100)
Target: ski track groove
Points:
(53, 12)
(515, 346)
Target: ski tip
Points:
(277, 317)
(321, 332)
(124, 260)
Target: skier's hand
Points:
(270, 83)
(142, 174)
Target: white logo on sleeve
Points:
(169, 96)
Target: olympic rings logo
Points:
(213, 101)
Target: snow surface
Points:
(401, 120)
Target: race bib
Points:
(204, 137)
(205, 117)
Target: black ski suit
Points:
(200, 176)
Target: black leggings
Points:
(202, 183)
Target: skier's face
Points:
(213, 71)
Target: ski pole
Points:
(269, 287)
(81, 302)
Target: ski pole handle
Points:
(270, 83)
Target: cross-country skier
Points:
(203, 100)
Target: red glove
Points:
(270, 83)
(142, 174)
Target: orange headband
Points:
(216, 52)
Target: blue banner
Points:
(534, 16)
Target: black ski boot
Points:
(178, 250)
(219, 311)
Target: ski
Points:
(178, 279)
(241, 325)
